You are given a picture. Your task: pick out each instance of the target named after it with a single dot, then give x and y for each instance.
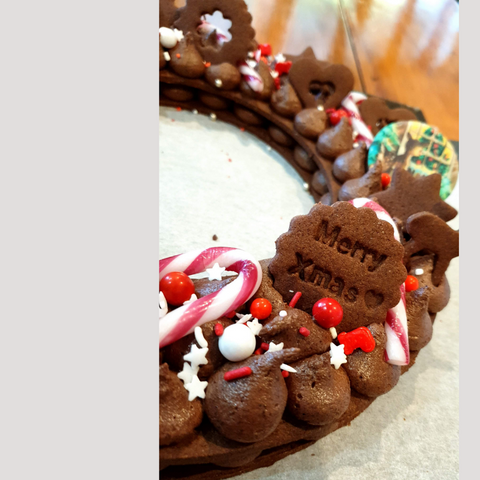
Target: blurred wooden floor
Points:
(401, 50)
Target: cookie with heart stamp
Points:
(319, 83)
(376, 114)
(343, 253)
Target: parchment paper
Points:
(217, 180)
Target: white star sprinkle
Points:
(196, 388)
(275, 348)
(197, 356)
(187, 373)
(244, 318)
(280, 58)
(287, 368)
(254, 326)
(200, 338)
(178, 34)
(162, 304)
(337, 355)
(192, 299)
(215, 273)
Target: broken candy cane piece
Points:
(396, 350)
(184, 319)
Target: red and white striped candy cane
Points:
(251, 76)
(350, 104)
(183, 320)
(397, 351)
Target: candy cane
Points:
(396, 329)
(253, 79)
(183, 320)
(206, 28)
(349, 103)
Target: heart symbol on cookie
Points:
(320, 83)
(376, 114)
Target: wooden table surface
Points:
(401, 50)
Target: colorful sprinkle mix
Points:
(237, 373)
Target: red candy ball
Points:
(177, 288)
(385, 180)
(411, 283)
(261, 308)
(327, 312)
(336, 116)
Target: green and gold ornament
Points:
(417, 147)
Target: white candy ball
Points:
(237, 342)
(168, 39)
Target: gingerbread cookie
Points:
(431, 234)
(407, 195)
(189, 18)
(420, 327)
(376, 114)
(319, 83)
(344, 253)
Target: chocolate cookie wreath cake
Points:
(261, 364)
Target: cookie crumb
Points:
(215, 238)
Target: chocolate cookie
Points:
(407, 195)
(344, 253)
(376, 114)
(185, 59)
(285, 101)
(320, 83)
(364, 186)
(351, 164)
(431, 234)
(310, 122)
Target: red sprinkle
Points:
(231, 314)
(285, 374)
(295, 299)
(179, 109)
(237, 373)
(283, 67)
(258, 351)
(218, 329)
(242, 129)
(385, 180)
(276, 81)
(304, 331)
(264, 346)
(207, 64)
(230, 160)
(411, 283)
(265, 49)
(178, 55)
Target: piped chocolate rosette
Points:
(261, 363)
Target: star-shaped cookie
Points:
(408, 195)
(430, 233)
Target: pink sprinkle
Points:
(230, 160)
(295, 299)
(304, 331)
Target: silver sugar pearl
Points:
(305, 186)
(269, 147)
(213, 117)
(218, 83)
(320, 107)
(195, 111)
